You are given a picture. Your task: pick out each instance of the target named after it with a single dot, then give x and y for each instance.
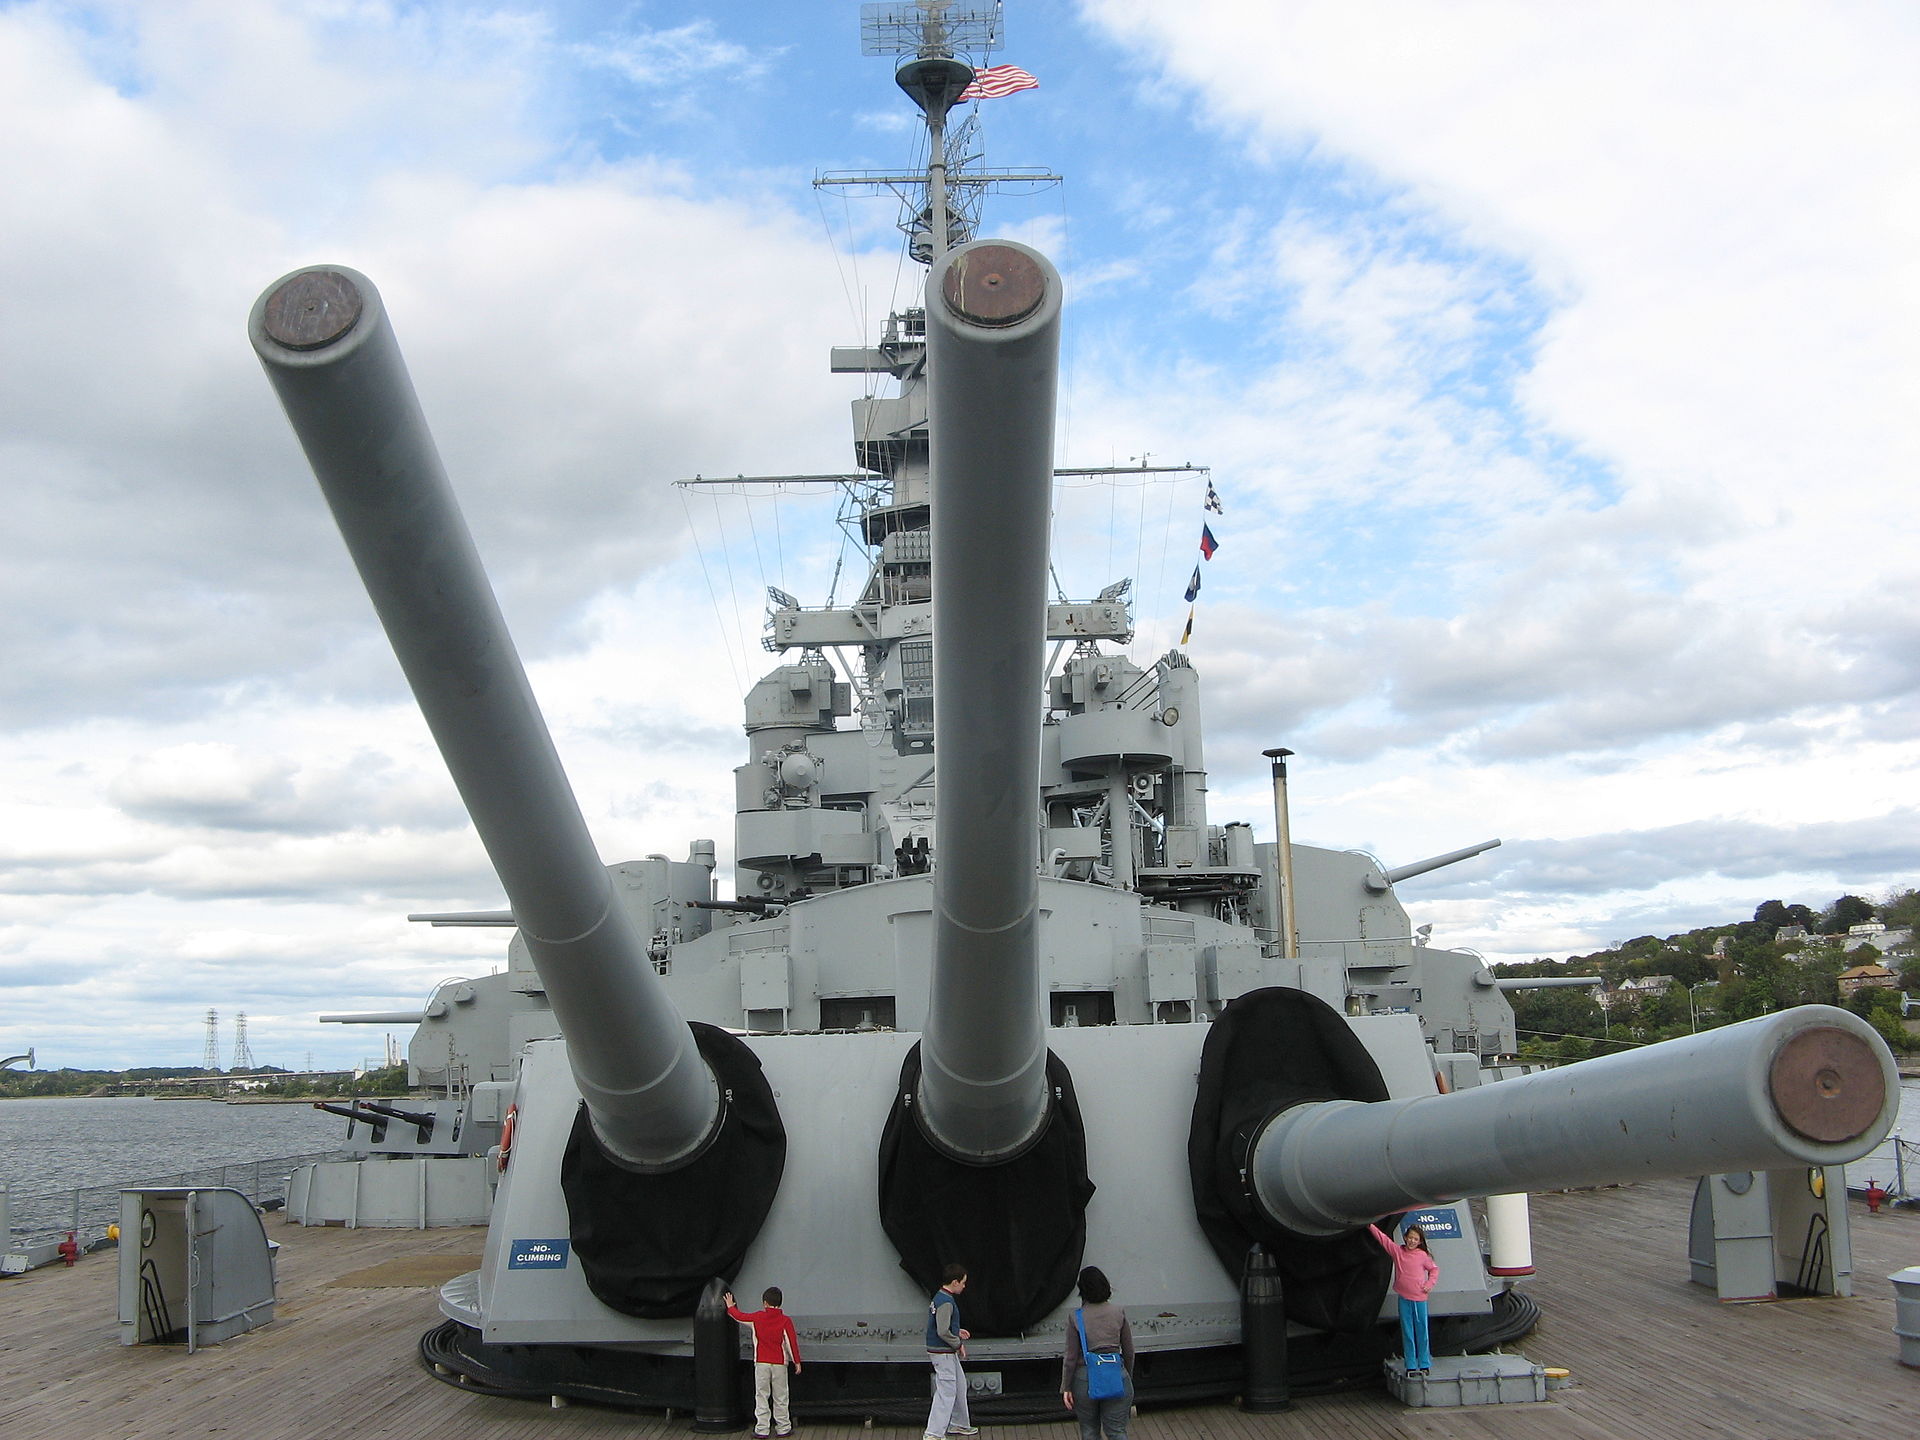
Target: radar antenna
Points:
(942, 205)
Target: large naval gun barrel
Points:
(329, 350)
(993, 342)
(1809, 1086)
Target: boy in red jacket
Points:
(774, 1340)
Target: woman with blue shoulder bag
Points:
(1096, 1376)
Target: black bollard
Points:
(1263, 1337)
(719, 1396)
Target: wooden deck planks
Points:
(1654, 1358)
(1657, 1357)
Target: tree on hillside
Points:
(1846, 911)
(1763, 981)
(1548, 1014)
(1815, 971)
(1533, 968)
(1665, 1011)
(1880, 1008)
(1874, 999)
(1691, 965)
(390, 1080)
(1901, 909)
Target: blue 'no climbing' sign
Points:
(1436, 1224)
(538, 1255)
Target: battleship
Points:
(993, 985)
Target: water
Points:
(1879, 1164)
(67, 1143)
(52, 1148)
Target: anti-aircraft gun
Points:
(1076, 1044)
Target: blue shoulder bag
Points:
(1106, 1374)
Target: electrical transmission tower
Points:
(242, 1052)
(210, 1060)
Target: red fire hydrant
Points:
(1874, 1196)
(69, 1251)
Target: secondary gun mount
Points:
(376, 1117)
(1808, 1086)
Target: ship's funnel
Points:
(993, 342)
(1809, 1086)
(324, 338)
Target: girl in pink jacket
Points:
(1414, 1274)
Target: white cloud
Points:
(1565, 401)
(655, 58)
(1553, 365)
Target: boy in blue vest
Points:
(946, 1348)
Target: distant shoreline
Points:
(211, 1099)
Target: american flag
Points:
(997, 81)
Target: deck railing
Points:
(1893, 1165)
(88, 1210)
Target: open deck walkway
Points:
(1653, 1357)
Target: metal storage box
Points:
(1470, 1380)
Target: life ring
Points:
(506, 1136)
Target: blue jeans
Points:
(1413, 1335)
(1110, 1415)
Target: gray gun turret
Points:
(325, 340)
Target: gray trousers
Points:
(1096, 1416)
(949, 1393)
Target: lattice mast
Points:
(942, 203)
(210, 1057)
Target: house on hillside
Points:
(1877, 936)
(1866, 977)
(1630, 991)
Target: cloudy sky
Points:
(1557, 367)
